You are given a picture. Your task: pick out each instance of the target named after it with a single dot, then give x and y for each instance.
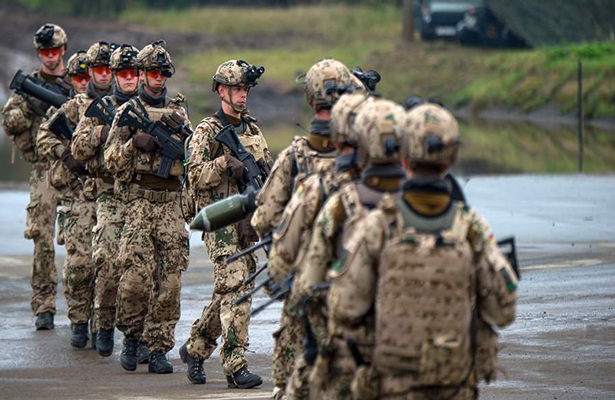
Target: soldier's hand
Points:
(235, 167)
(145, 142)
(71, 163)
(104, 133)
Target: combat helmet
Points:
(155, 56)
(430, 136)
(343, 116)
(77, 63)
(377, 124)
(99, 54)
(326, 81)
(236, 73)
(124, 57)
(49, 36)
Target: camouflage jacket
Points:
(127, 163)
(291, 237)
(87, 146)
(292, 166)
(51, 146)
(206, 163)
(21, 121)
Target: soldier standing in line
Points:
(420, 273)
(77, 214)
(213, 174)
(87, 147)
(22, 116)
(325, 80)
(154, 241)
(373, 122)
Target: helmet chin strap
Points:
(157, 91)
(234, 106)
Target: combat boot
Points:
(142, 353)
(80, 335)
(196, 373)
(128, 358)
(243, 379)
(44, 321)
(159, 364)
(104, 341)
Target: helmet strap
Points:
(230, 103)
(155, 91)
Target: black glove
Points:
(235, 167)
(145, 142)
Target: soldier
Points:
(371, 123)
(87, 147)
(213, 174)
(154, 240)
(419, 274)
(21, 119)
(78, 211)
(324, 82)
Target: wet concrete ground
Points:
(562, 345)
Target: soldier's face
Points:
(80, 82)
(155, 79)
(101, 74)
(51, 57)
(237, 95)
(127, 80)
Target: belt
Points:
(155, 196)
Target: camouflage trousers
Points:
(76, 219)
(288, 346)
(40, 227)
(153, 251)
(337, 387)
(110, 214)
(222, 317)
(464, 393)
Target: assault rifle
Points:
(253, 176)
(44, 91)
(170, 148)
(60, 127)
(279, 294)
(98, 109)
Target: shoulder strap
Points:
(141, 106)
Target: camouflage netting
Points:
(549, 22)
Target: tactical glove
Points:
(235, 167)
(145, 142)
(104, 133)
(71, 163)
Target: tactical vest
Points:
(146, 163)
(97, 163)
(425, 299)
(307, 161)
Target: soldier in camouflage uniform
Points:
(371, 123)
(420, 271)
(77, 214)
(21, 118)
(213, 174)
(154, 241)
(87, 147)
(324, 82)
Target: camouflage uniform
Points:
(418, 313)
(371, 124)
(87, 147)
(77, 215)
(293, 231)
(21, 119)
(207, 172)
(154, 242)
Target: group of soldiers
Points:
(392, 285)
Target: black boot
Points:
(93, 342)
(44, 321)
(142, 353)
(104, 342)
(196, 373)
(159, 364)
(80, 335)
(128, 359)
(243, 379)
